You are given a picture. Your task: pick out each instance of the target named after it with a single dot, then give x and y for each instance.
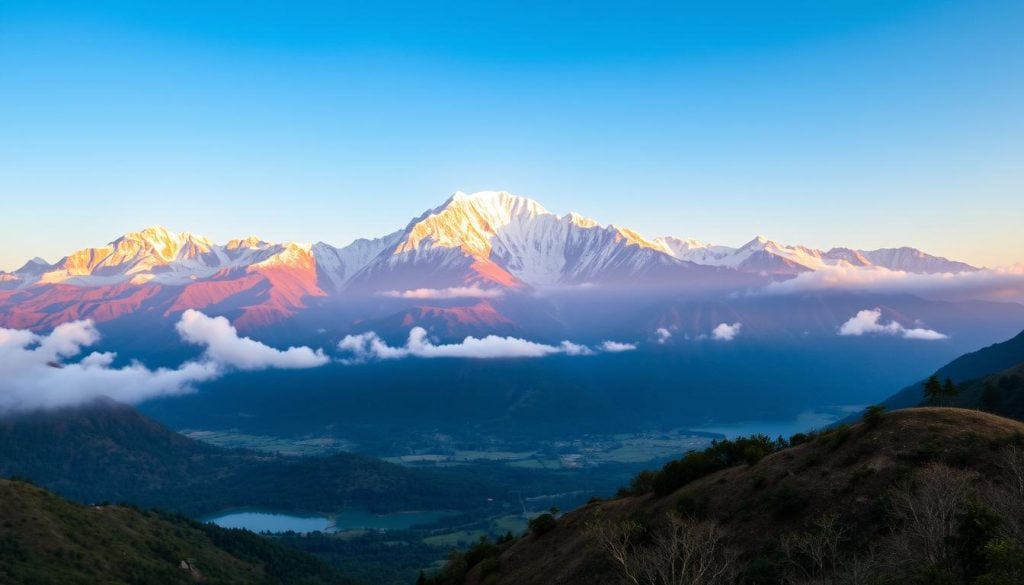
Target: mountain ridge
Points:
(987, 361)
(489, 240)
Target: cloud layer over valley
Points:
(997, 284)
(459, 292)
(365, 346)
(39, 371)
(225, 347)
(868, 322)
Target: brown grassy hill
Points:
(47, 539)
(840, 507)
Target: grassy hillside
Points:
(930, 495)
(47, 539)
(110, 452)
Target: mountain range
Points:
(480, 247)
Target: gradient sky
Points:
(866, 124)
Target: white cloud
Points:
(224, 346)
(39, 371)
(616, 346)
(33, 375)
(726, 332)
(369, 345)
(663, 335)
(459, 292)
(1005, 283)
(924, 334)
(570, 348)
(868, 322)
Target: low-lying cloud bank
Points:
(726, 332)
(722, 332)
(868, 322)
(616, 346)
(459, 292)
(366, 346)
(1006, 284)
(39, 371)
(224, 346)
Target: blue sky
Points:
(866, 124)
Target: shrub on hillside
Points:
(542, 524)
(873, 415)
(720, 455)
(642, 483)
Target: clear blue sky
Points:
(868, 124)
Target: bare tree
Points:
(862, 569)
(813, 554)
(1013, 462)
(1007, 496)
(683, 552)
(925, 510)
(619, 542)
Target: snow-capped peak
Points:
(509, 239)
(470, 221)
(161, 242)
(579, 220)
(759, 243)
(249, 242)
(33, 267)
(487, 238)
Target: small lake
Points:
(806, 421)
(351, 519)
(270, 522)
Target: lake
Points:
(349, 519)
(806, 421)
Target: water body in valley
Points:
(348, 519)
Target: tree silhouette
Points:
(949, 390)
(932, 390)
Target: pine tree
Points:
(422, 579)
(949, 389)
(932, 390)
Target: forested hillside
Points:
(45, 539)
